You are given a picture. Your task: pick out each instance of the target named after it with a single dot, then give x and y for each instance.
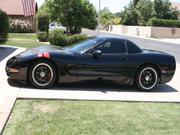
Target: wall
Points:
(162, 32)
(146, 31)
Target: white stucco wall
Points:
(146, 31)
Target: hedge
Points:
(42, 36)
(163, 23)
(4, 27)
(59, 38)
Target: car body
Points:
(99, 57)
(55, 26)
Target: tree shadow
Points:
(102, 86)
(5, 51)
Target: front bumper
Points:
(17, 74)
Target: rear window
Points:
(132, 48)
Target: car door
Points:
(110, 65)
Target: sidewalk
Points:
(171, 40)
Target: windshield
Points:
(83, 46)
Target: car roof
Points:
(110, 37)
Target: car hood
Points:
(42, 49)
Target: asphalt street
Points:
(171, 48)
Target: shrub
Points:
(20, 26)
(57, 37)
(43, 22)
(4, 27)
(77, 37)
(163, 23)
(42, 36)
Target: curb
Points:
(5, 112)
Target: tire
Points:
(42, 74)
(147, 78)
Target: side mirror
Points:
(97, 53)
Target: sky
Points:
(113, 5)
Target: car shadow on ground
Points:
(5, 51)
(102, 86)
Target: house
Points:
(176, 5)
(20, 9)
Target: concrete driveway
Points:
(91, 90)
(5, 51)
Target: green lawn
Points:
(55, 117)
(23, 40)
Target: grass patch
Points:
(54, 117)
(23, 40)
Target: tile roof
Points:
(14, 7)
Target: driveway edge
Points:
(5, 112)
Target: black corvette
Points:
(100, 57)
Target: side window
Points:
(112, 46)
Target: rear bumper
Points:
(167, 75)
(165, 78)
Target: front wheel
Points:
(147, 78)
(42, 74)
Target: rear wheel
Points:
(42, 74)
(147, 78)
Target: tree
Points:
(89, 15)
(158, 9)
(145, 11)
(135, 2)
(43, 16)
(163, 10)
(116, 20)
(4, 26)
(106, 19)
(43, 22)
(138, 12)
(130, 15)
(73, 14)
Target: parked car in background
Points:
(54, 26)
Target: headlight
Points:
(12, 70)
